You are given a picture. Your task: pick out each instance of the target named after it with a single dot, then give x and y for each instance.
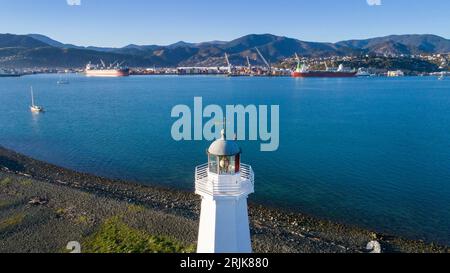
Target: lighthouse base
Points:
(224, 225)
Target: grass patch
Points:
(12, 221)
(26, 182)
(5, 182)
(61, 211)
(82, 219)
(114, 236)
(135, 208)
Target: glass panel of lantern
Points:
(213, 165)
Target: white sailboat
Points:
(441, 77)
(35, 108)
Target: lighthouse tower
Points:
(224, 184)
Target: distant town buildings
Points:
(375, 65)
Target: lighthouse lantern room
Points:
(224, 183)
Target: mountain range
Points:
(36, 50)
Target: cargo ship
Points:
(303, 71)
(113, 70)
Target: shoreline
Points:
(273, 230)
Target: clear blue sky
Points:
(120, 22)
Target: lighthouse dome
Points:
(224, 147)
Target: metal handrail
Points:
(209, 185)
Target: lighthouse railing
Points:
(210, 184)
(247, 173)
(201, 172)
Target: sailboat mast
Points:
(32, 96)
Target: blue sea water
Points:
(369, 152)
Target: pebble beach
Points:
(43, 207)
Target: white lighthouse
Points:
(224, 184)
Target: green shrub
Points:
(114, 236)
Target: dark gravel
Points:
(45, 206)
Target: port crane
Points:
(265, 61)
(230, 67)
(297, 58)
(249, 67)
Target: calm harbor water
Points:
(369, 152)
